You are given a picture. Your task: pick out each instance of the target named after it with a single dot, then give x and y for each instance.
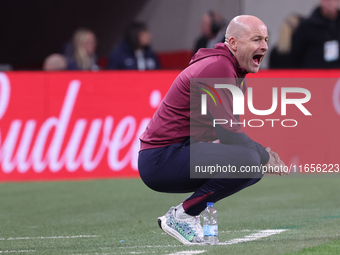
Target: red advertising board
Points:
(75, 124)
(80, 125)
(305, 134)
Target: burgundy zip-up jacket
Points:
(179, 114)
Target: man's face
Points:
(329, 8)
(252, 47)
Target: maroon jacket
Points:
(179, 114)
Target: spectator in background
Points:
(213, 28)
(134, 52)
(316, 41)
(84, 57)
(55, 62)
(281, 55)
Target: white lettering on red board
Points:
(14, 152)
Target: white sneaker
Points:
(188, 231)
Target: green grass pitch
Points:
(120, 217)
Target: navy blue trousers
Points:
(167, 169)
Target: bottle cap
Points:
(210, 204)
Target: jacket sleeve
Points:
(230, 132)
(228, 137)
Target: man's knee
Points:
(251, 161)
(251, 158)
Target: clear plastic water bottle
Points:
(210, 227)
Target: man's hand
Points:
(275, 161)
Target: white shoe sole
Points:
(172, 232)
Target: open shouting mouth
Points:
(257, 59)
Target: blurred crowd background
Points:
(159, 34)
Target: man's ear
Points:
(233, 43)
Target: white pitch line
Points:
(46, 237)
(235, 231)
(248, 238)
(19, 251)
(187, 252)
(139, 252)
(150, 246)
(255, 236)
